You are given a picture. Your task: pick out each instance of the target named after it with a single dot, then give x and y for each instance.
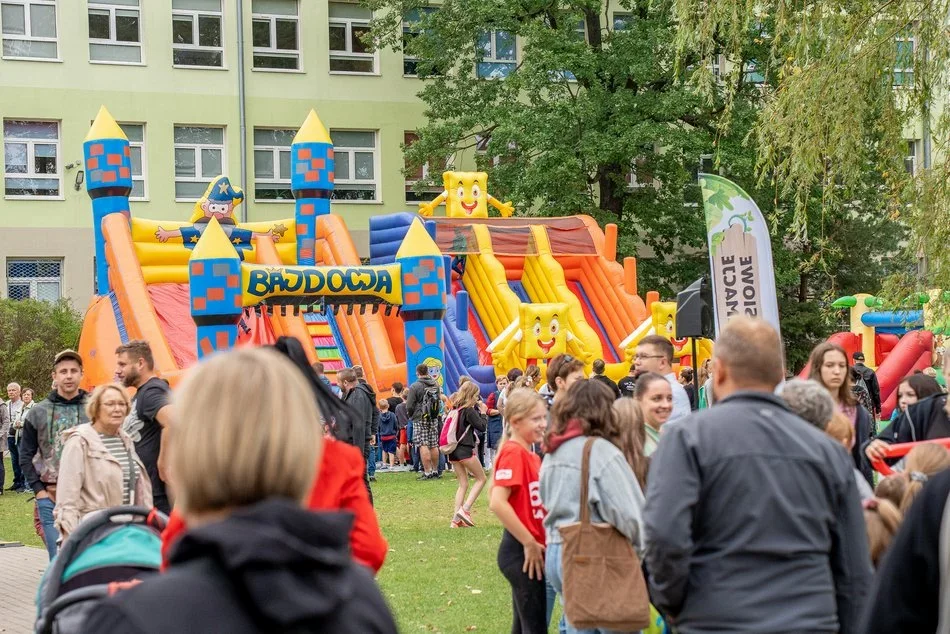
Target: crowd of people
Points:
(746, 500)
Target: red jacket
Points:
(339, 487)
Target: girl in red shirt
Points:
(516, 500)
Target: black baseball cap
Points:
(858, 356)
(66, 355)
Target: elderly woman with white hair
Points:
(810, 400)
(242, 463)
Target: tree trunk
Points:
(612, 194)
(803, 288)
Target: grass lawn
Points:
(436, 579)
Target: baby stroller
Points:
(108, 547)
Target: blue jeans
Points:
(45, 508)
(371, 460)
(15, 461)
(552, 572)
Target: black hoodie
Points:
(271, 567)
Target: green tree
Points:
(608, 95)
(31, 333)
(851, 80)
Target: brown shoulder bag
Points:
(603, 582)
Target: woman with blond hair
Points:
(470, 410)
(253, 559)
(515, 501)
(633, 437)
(99, 468)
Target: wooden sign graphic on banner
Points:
(736, 275)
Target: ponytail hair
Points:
(881, 519)
(923, 462)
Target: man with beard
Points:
(150, 413)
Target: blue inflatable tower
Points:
(311, 180)
(108, 164)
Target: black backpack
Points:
(431, 407)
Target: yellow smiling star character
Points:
(538, 334)
(466, 196)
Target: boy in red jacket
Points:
(339, 486)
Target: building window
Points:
(199, 157)
(623, 21)
(29, 28)
(136, 135)
(196, 33)
(31, 158)
(640, 175)
(498, 52)
(410, 31)
(355, 165)
(35, 279)
(421, 173)
(348, 54)
(272, 164)
(904, 61)
(115, 32)
(910, 161)
(275, 28)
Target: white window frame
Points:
(104, 5)
(275, 152)
(197, 147)
(28, 36)
(407, 29)
(339, 150)
(349, 54)
(142, 146)
(31, 161)
(33, 281)
(905, 72)
(273, 50)
(493, 57)
(434, 190)
(910, 161)
(194, 14)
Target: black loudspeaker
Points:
(694, 311)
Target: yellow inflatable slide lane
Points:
(545, 282)
(493, 300)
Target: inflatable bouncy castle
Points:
(895, 343)
(464, 294)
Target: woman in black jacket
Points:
(470, 410)
(253, 559)
(926, 419)
(830, 367)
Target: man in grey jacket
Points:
(753, 520)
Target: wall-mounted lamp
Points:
(80, 177)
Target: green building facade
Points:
(169, 72)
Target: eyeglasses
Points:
(643, 357)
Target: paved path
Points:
(20, 568)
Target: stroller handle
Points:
(151, 517)
(45, 623)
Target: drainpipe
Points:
(242, 109)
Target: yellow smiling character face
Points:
(543, 335)
(664, 318)
(467, 194)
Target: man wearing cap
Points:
(41, 442)
(870, 381)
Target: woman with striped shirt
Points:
(99, 468)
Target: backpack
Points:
(449, 437)
(431, 405)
